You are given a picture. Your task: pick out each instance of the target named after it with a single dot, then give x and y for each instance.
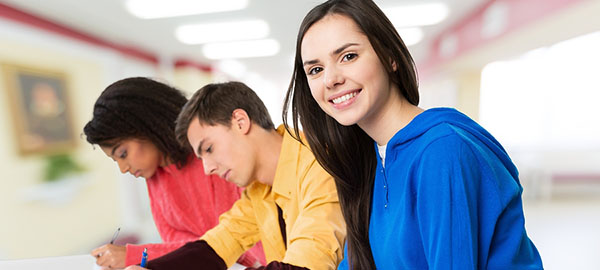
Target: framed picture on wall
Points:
(39, 107)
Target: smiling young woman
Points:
(419, 189)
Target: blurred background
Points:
(526, 70)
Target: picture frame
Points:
(40, 109)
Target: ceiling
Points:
(108, 20)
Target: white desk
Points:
(77, 262)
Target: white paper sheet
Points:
(76, 262)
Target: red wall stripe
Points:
(185, 63)
(32, 20)
(467, 32)
(47, 25)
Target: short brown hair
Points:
(214, 104)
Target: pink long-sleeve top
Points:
(185, 203)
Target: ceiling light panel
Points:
(220, 32)
(411, 36)
(153, 9)
(241, 49)
(417, 15)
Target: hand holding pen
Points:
(110, 255)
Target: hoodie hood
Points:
(461, 123)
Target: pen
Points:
(115, 236)
(144, 257)
(111, 241)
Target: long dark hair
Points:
(347, 152)
(139, 108)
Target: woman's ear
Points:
(240, 121)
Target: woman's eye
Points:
(314, 70)
(123, 154)
(209, 149)
(349, 57)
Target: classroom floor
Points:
(566, 227)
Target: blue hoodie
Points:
(448, 197)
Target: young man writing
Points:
(290, 203)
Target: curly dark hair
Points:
(139, 108)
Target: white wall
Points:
(71, 218)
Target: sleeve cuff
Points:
(133, 254)
(224, 244)
(190, 256)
